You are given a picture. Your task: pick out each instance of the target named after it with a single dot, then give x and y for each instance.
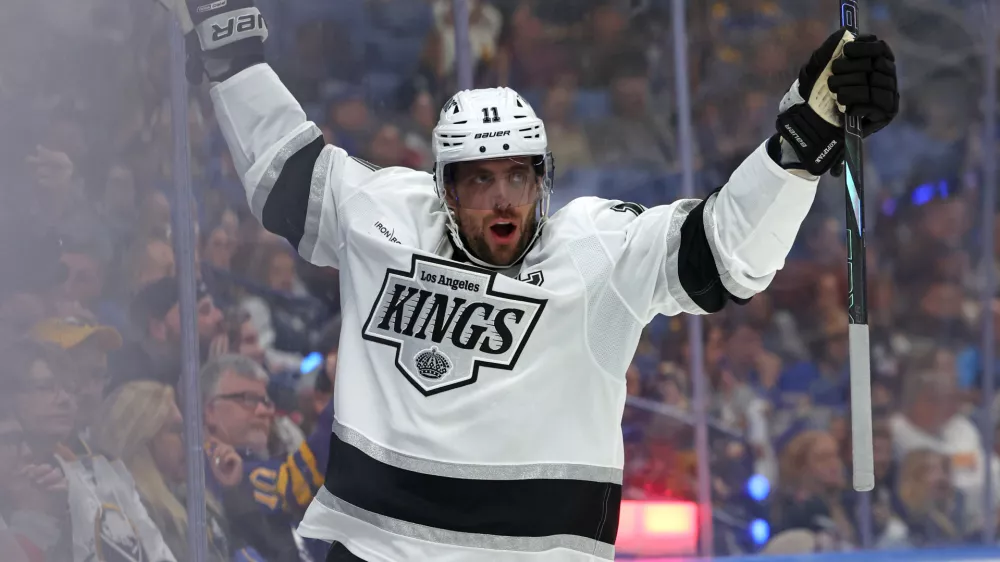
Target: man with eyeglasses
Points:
(87, 345)
(99, 509)
(239, 412)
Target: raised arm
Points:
(704, 253)
(294, 181)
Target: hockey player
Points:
(484, 344)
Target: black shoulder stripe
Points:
(284, 211)
(366, 164)
(696, 265)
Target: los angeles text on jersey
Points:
(445, 322)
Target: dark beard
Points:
(480, 249)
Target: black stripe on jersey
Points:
(511, 508)
(696, 265)
(366, 164)
(284, 211)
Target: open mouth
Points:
(503, 231)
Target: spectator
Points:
(531, 57)
(286, 330)
(104, 512)
(32, 280)
(935, 511)
(315, 389)
(938, 317)
(154, 354)
(242, 339)
(810, 490)
(485, 23)
(218, 244)
(934, 142)
(58, 200)
(239, 412)
(567, 138)
(117, 205)
(86, 345)
(421, 118)
(888, 528)
(633, 135)
(387, 148)
(736, 404)
(608, 41)
(930, 419)
(349, 118)
(778, 328)
(142, 262)
(87, 265)
(29, 523)
(141, 425)
(148, 261)
(154, 216)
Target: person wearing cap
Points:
(99, 505)
(87, 345)
(155, 316)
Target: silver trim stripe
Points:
(270, 176)
(314, 212)
(541, 471)
(734, 288)
(684, 208)
(468, 540)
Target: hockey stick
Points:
(857, 302)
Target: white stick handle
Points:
(861, 408)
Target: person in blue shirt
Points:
(239, 412)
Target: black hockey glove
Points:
(223, 36)
(856, 76)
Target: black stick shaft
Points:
(857, 302)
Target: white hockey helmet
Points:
(488, 124)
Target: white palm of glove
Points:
(821, 99)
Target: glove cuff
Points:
(222, 63)
(817, 143)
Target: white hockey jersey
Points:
(477, 412)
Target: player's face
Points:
(494, 202)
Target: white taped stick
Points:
(861, 408)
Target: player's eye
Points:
(518, 178)
(482, 179)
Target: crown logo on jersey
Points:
(432, 364)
